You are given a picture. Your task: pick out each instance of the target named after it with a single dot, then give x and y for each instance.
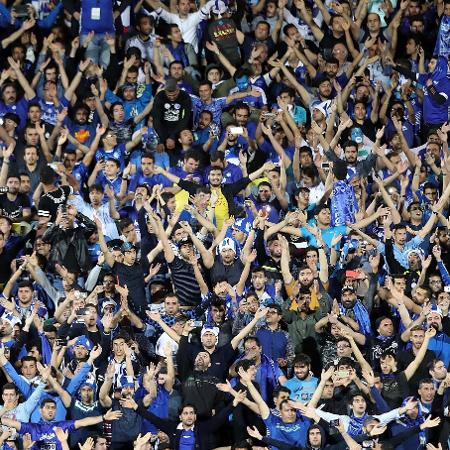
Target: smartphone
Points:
(325, 165)
(61, 341)
(236, 130)
(351, 274)
(19, 262)
(268, 115)
(359, 78)
(334, 423)
(300, 244)
(343, 373)
(198, 323)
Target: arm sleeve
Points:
(379, 400)
(388, 417)
(19, 381)
(33, 400)
(444, 273)
(76, 381)
(48, 21)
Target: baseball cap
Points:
(109, 303)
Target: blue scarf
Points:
(356, 424)
(442, 47)
(361, 316)
(344, 205)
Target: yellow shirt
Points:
(221, 210)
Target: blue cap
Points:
(85, 342)
(127, 246)
(127, 381)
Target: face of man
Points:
(427, 392)
(259, 280)
(10, 397)
(209, 340)
(348, 299)
(351, 154)
(439, 371)
(48, 411)
(359, 405)
(228, 256)
(417, 337)
(386, 328)
(306, 277)
(87, 394)
(217, 314)
(147, 165)
(301, 370)
(13, 185)
(101, 444)
(241, 117)
(315, 438)
(119, 347)
(434, 320)
(288, 413)
(188, 416)
(171, 305)
(202, 361)
(9, 95)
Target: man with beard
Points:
(354, 167)
(221, 357)
(226, 264)
(302, 385)
(199, 388)
(222, 196)
(13, 204)
(353, 307)
(440, 343)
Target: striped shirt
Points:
(186, 286)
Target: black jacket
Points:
(202, 429)
(61, 240)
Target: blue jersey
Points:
(301, 390)
(43, 433)
(20, 108)
(152, 180)
(433, 113)
(118, 152)
(292, 433)
(215, 107)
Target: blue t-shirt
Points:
(432, 112)
(187, 440)
(301, 390)
(118, 152)
(152, 180)
(327, 234)
(292, 433)
(43, 435)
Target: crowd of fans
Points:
(225, 224)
